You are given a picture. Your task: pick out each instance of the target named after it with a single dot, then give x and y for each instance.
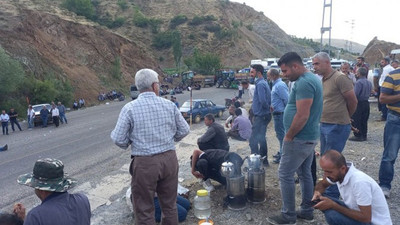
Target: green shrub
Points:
(116, 69)
(191, 36)
(204, 63)
(140, 20)
(177, 20)
(197, 20)
(123, 4)
(163, 40)
(154, 24)
(249, 27)
(236, 24)
(11, 75)
(80, 7)
(213, 28)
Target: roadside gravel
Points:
(365, 155)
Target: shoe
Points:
(5, 147)
(354, 138)
(308, 219)
(208, 186)
(386, 192)
(277, 160)
(277, 155)
(279, 219)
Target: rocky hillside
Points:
(49, 40)
(377, 49)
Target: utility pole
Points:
(327, 5)
(350, 49)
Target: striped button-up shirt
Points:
(149, 124)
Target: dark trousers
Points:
(360, 119)
(56, 121)
(382, 107)
(211, 145)
(15, 121)
(258, 140)
(4, 126)
(150, 174)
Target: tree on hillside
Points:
(80, 7)
(177, 47)
(205, 63)
(11, 75)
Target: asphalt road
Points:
(84, 145)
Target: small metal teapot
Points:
(254, 161)
(227, 169)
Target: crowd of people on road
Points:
(325, 105)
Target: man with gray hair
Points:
(279, 100)
(345, 69)
(340, 103)
(151, 124)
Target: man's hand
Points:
(325, 203)
(197, 174)
(20, 211)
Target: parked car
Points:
(134, 92)
(38, 120)
(201, 107)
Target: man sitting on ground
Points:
(363, 200)
(215, 136)
(241, 128)
(232, 116)
(58, 206)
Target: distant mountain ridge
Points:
(344, 44)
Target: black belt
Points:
(277, 113)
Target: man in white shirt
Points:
(250, 87)
(386, 69)
(363, 200)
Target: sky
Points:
(303, 18)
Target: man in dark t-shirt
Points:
(207, 164)
(13, 119)
(215, 136)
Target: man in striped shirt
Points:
(390, 95)
(151, 125)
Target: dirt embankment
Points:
(82, 53)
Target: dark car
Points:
(38, 120)
(201, 107)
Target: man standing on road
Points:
(363, 200)
(31, 116)
(340, 103)
(14, 119)
(215, 136)
(4, 118)
(301, 122)
(362, 90)
(61, 110)
(55, 114)
(386, 69)
(390, 95)
(44, 115)
(250, 88)
(279, 100)
(360, 63)
(58, 206)
(262, 115)
(151, 124)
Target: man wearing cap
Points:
(58, 206)
(151, 125)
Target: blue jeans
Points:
(30, 122)
(44, 121)
(391, 143)
(333, 136)
(279, 129)
(258, 140)
(333, 217)
(63, 118)
(296, 156)
(183, 205)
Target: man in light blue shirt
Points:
(151, 125)
(261, 110)
(279, 99)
